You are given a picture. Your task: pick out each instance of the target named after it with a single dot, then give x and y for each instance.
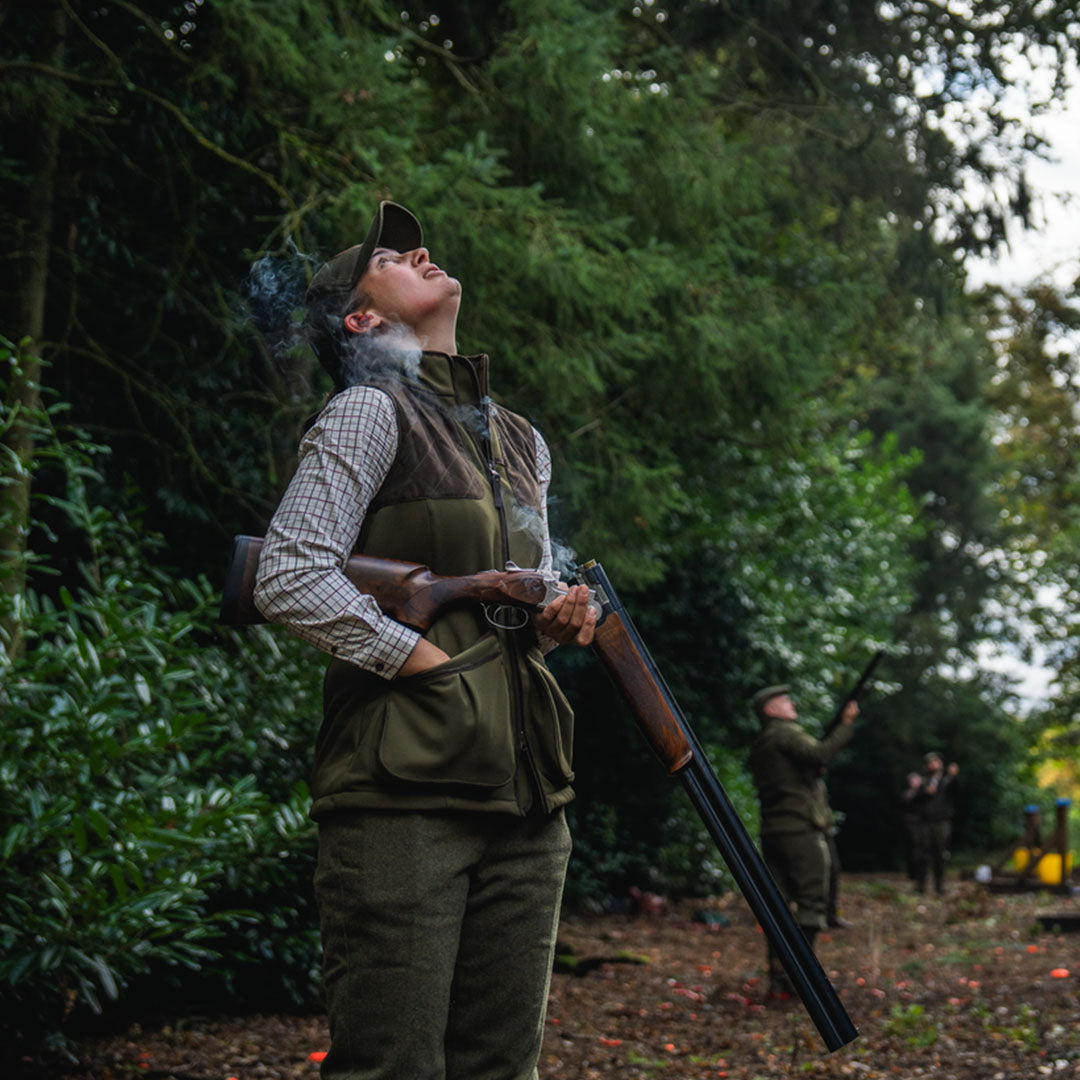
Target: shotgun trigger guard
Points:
(504, 617)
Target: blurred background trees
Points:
(717, 251)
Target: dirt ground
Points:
(972, 986)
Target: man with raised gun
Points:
(787, 764)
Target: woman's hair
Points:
(324, 326)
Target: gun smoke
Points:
(394, 351)
(563, 559)
(474, 418)
(531, 522)
(274, 295)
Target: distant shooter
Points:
(787, 764)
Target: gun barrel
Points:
(856, 691)
(728, 833)
(767, 903)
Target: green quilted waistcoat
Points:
(490, 730)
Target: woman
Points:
(444, 760)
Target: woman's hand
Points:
(568, 619)
(424, 656)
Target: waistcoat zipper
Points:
(509, 637)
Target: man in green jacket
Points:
(787, 764)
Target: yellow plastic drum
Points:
(1022, 858)
(1048, 868)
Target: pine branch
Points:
(213, 148)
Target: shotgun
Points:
(412, 594)
(855, 693)
(620, 648)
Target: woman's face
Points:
(406, 286)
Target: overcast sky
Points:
(1053, 250)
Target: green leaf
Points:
(78, 828)
(142, 688)
(99, 823)
(107, 977)
(13, 838)
(119, 883)
(20, 967)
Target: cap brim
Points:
(392, 227)
(767, 693)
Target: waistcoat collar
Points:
(464, 379)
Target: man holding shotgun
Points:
(787, 764)
(444, 759)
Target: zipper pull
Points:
(496, 485)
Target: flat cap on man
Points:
(767, 693)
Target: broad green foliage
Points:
(153, 815)
(664, 231)
(820, 556)
(798, 574)
(136, 833)
(807, 561)
(965, 721)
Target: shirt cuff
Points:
(390, 649)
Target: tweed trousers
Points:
(438, 933)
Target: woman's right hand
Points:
(568, 619)
(424, 656)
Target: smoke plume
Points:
(393, 351)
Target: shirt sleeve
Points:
(543, 476)
(344, 458)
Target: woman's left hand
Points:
(568, 619)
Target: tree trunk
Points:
(23, 391)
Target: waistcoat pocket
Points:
(552, 718)
(451, 724)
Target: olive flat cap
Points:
(767, 693)
(392, 226)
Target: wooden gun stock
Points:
(405, 591)
(621, 650)
(631, 671)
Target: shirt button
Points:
(379, 665)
